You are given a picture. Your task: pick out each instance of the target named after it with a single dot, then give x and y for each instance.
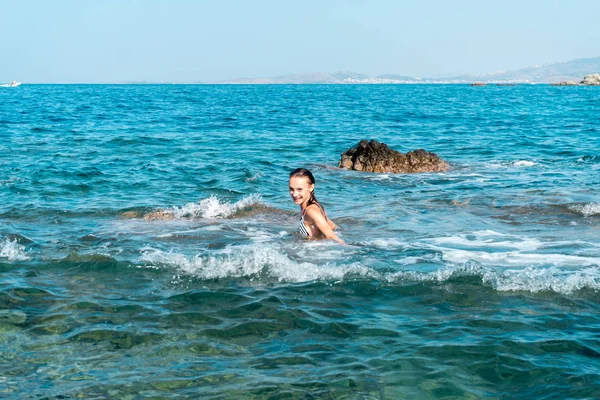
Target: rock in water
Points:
(566, 83)
(373, 156)
(588, 80)
(593, 79)
(13, 317)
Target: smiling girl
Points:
(313, 221)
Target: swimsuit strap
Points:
(318, 205)
(302, 227)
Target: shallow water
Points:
(480, 282)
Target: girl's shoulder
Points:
(314, 210)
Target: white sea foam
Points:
(518, 258)
(493, 248)
(381, 177)
(258, 235)
(325, 250)
(213, 208)
(544, 279)
(510, 164)
(270, 262)
(12, 251)
(439, 275)
(386, 243)
(409, 260)
(524, 163)
(487, 238)
(429, 258)
(11, 180)
(586, 209)
(255, 177)
(249, 261)
(529, 279)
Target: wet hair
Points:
(304, 173)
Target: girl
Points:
(313, 221)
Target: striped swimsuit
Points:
(302, 226)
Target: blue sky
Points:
(190, 41)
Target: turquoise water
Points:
(481, 282)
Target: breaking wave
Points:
(250, 262)
(504, 164)
(530, 279)
(11, 250)
(213, 208)
(586, 209)
(264, 264)
(524, 163)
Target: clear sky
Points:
(202, 40)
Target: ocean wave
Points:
(514, 258)
(10, 181)
(502, 164)
(530, 279)
(250, 262)
(253, 177)
(264, 264)
(588, 158)
(211, 208)
(497, 249)
(586, 209)
(524, 163)
(12, 250)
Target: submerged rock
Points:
(13, 317)
(151, 216)
(160, 215)
(373, 156)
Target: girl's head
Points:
(302, 187)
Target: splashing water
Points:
(12, 250)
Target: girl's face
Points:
(300, 189)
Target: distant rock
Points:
(566, 83)
(593, 80)
(478, 84)
(373, 156)
(588, 80)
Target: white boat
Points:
(12, 84)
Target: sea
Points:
(148, 245)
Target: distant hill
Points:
(573, 70)
(314, 77)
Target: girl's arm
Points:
(330, 222)
(322, 224)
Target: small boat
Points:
(12, 84)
